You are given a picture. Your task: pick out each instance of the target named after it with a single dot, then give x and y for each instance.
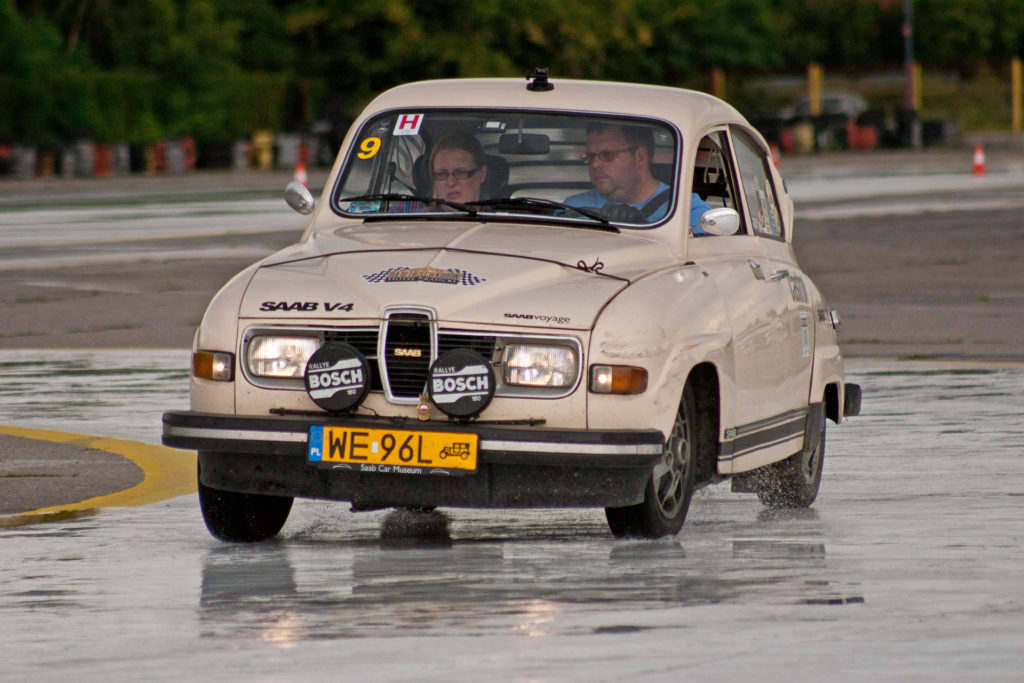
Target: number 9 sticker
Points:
(368, 148)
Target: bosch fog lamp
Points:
(617, 379)
(535, 365)
(279, 356)
(215, 365)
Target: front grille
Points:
(407, 354)
(407, 373)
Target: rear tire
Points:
(242, 517)
(794, 482)
(670, 488)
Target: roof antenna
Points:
(540, 82)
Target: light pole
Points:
(909, 91)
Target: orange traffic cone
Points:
(300, 173)
(979, 160)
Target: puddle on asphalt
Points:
(114, 393)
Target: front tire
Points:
(242, 517)
(670, 488)
(794, 482)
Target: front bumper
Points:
(518, 465)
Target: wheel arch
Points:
(833, 398)
(704, 379)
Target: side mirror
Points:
(299, 198)
(720, 221)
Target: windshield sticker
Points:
(444, 276)
(409, 124)
(368, 148)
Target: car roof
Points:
(690, 111)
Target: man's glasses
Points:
(605, 156)
(458, 174)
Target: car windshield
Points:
(592, 170)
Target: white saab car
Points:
(540, 293)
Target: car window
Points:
(758, 191)
(713, 175)
(526, 164)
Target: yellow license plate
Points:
(393, 451)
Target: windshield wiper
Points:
(404, 197)
(547, 204)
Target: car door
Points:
(756, 300)
(791, 350)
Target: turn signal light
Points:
(617, 379)
(215, 365)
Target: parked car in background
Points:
(848, 105)
(517, 347)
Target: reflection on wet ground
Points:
(119, 394)
(906, 566)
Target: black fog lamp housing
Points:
(337, 377)
(461, 383)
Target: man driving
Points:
(618, 158)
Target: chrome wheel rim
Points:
(669, 476)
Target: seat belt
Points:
(651, 207)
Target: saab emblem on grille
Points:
(409, 353)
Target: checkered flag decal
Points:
(468, 279)
(379, 276)
(406, 274)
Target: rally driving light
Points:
(533, 365)
(215, 365)
(617, 379)
(273, 356)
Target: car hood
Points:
(490, 273)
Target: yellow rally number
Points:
(368, 148)
(393, 450)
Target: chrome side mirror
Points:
(299, 198)
(720, 221)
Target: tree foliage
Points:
(218, 69)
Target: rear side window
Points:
(758, 191)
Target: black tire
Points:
(794, 482)
(243, 517)
(670, 488)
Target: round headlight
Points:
(277, 356)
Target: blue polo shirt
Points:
(594, 199)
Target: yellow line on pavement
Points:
(167, 472)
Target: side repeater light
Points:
(617, 379)
(215, 365)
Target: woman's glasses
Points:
(458, 174)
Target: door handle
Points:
(755, 267)
(779, 274)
